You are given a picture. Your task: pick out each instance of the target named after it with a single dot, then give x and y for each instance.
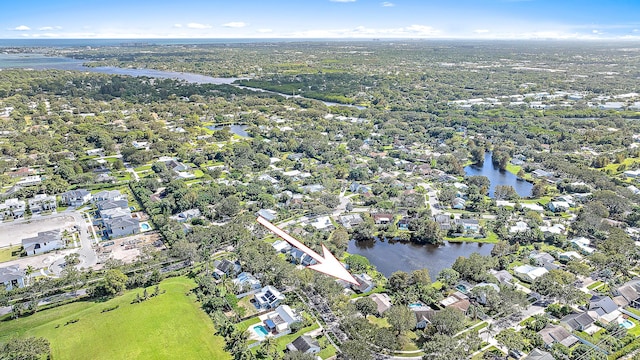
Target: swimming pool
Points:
(261, 330)
(415, 305)
(627, 324)
(145, 226)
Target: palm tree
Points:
(29, 271)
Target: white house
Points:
(529, 273)
(281, 319)
(45, 241)
(583, 244)
(268, 298)
(111, 195)
(42, 202)
(76, 197)
(12, 277)
(559, 206)
(30, 180)
(520, 226)
(121, 226)
(12, 209)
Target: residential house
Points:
(43, 242)
(456, 300)
(268, 298)
(533, 207)
(300, 257)
(76, 197)
(537, 354)
(358, 188)
(382, 218)
(11, 277)
(503, 276)
(632, 173)
(281, 246)
(30, 180)
(468, 225)
(226, 268)
(603, 309)
(281, 319)
(246, 282)
(312, 188)
(21, 172)
(121, 226)
(541, 173)
(555, 334)
(628, 294)
(304, 344)
(42, 202)
(12, 209)
(519, 227)
(111, 195)
(424, 315)
(105, 205)
(365, 283)
(383, 302)
(186, 215)
(569, 255)
(556, 229)
(351, 220)
(403, 224)
(95, 152)
(269, 178)
(268, 214)
(544, 259)
(444, 221)
(583, 244)
(558, 206)
(529, 273)
(581, 321)
(458, 203)
(322, 223)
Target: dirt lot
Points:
(14, 232)
(128, 248)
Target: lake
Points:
(41, 62)
(499, 177)
(389, 257)
(239, 130)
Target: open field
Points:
(168, 326)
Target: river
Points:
(389, 257)
(42, 62)
(499, 177)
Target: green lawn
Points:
(10, 253)
(159, 328)
(594, 285)
(380, 322)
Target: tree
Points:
(425, 230)
(421, 277)
(355, 350)
(448, 277)
(398, 281)
(297, 355)
(115, 281)
(401, 318)
(30, 348)
(444, 347)
(505, 192)
(366, 306)
(358, 263)
(539, 190)
(448, 321)
(511, 339)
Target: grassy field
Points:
(10, 253)
(164, 327)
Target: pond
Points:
(499, 177)
(239, 130)
(389, 257)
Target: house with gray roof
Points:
(628, 294)
(121, 226)
(186, 215)
(383, 302)
(581, 321)
(111, 195)
(76, 197)
(268, 298)
(42, 202)
(226, 268)
(12, 209)
(304, 344)
(11, 277)
(555, 334)
(44, 242)
(365, 283)
(537, 354)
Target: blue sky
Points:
(490, 19)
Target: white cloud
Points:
(177, 25)
(387, 4)
(22, 28)
(235, 24)
(264, 31)
(193, 25)
(343, 1)
(413, 31)
(636, 30)
(50, 28)
(481, 31)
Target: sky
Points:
(366, 19)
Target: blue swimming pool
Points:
(260, 330)
(627, 324)
(145, 226)
(415, 305)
